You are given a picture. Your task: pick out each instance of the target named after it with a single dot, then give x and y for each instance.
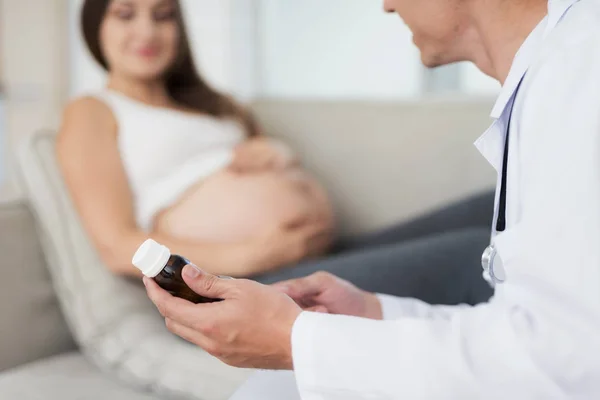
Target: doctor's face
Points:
(438, 27)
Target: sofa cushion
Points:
(111, 318)
(69, 376)
(32, 325)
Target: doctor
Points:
(539, 336)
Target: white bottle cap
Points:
(151, 258)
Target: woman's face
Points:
(140, 38)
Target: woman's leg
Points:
(439, 269)
(474, 212)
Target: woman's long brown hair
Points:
(184, 83)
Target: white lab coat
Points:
(539, 336)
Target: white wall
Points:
(33, 71)
(349, 49)
(335, 49)
(85, 74)
(476, 83)
(222, 34)
(213, 26)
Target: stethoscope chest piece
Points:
(492, 265)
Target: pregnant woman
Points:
(158, 153)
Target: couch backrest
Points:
(385, 162)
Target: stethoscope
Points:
(488, 258)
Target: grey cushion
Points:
(66, 377)
(112, 319)
(31, 323)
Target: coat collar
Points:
(491, 142)
(526, 54)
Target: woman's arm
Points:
(91, 165)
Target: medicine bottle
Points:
(156, 262)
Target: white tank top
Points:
(165, 151)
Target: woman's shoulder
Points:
(88, 104)
(87, 113)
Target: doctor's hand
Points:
(250, 328)
(323, 292)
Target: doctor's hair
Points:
(184, 83)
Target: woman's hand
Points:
(260, 154)
(288, 243)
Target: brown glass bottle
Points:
(156, 262)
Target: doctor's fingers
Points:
(301, 288)
(176, 309)
(211, 286)
(317, 309)
(193, 336)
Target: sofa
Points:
(381, 162)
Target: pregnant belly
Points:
(228, 207)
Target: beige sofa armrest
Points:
(32, 325)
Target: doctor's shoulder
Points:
(561, 96)
(568, 60)
(578, 27)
